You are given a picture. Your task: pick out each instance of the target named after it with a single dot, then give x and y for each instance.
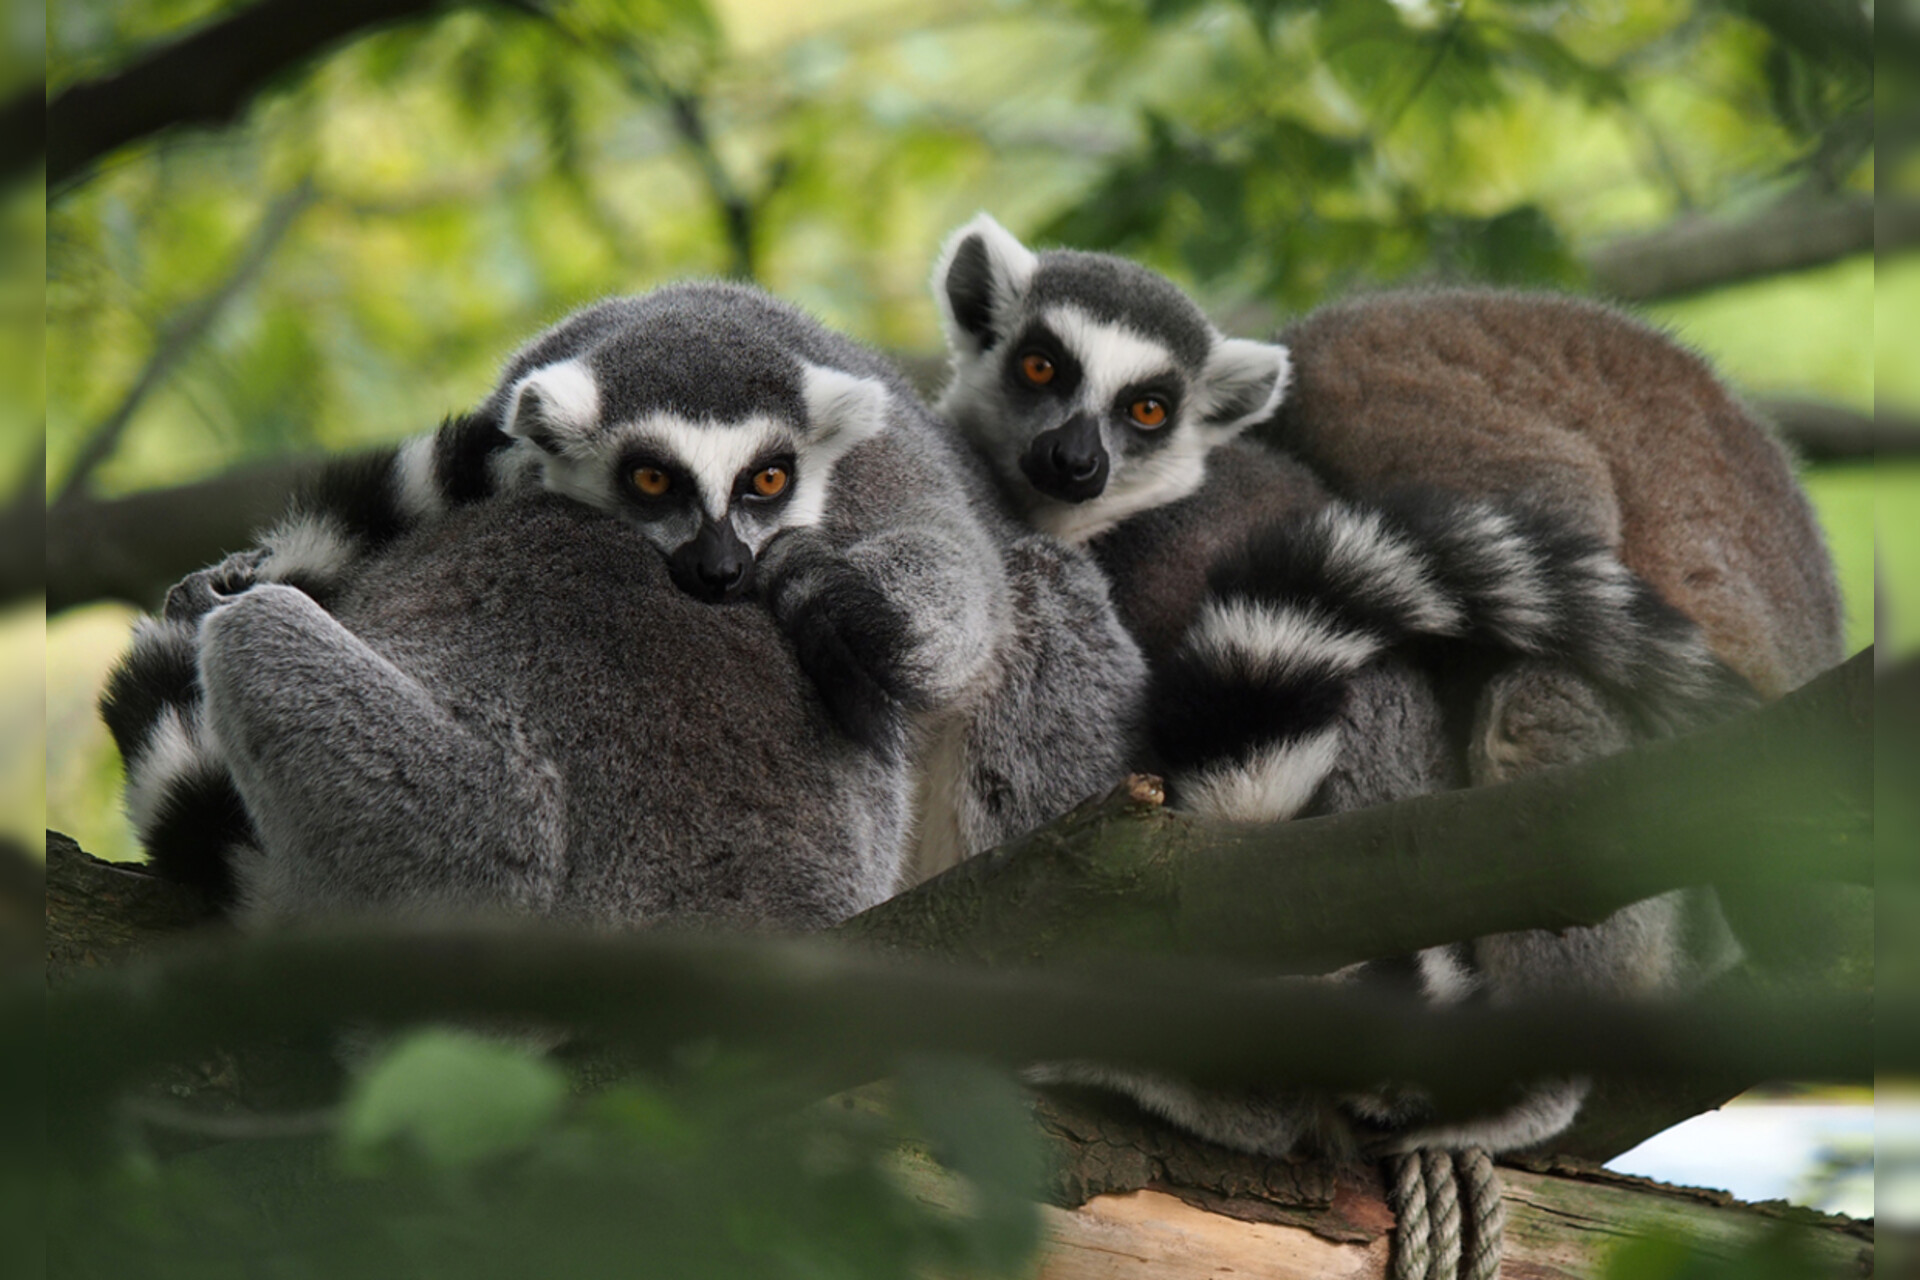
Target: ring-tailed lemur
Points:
(515, 711)
(1109, 408)
(759, 454)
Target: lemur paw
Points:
(197, 594)
(849, 636)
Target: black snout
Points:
(1068, 462)
(713, 565)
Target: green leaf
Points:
(975, 1120)
(451, 1098)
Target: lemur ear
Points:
(554, 406)
(981, 271)
(1243, 383)
(843, 409)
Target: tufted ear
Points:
(981, 271)
(843, 409)
(554, 406)
(1244, 382)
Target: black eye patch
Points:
(1038, 339)
(754, 482)
(1164, 387)
(634, 478)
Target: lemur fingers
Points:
(885, 627)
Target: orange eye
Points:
(1036, 368)
(771, 482)
(1148, 411)
(651, 481)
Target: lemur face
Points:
(708, 489)
(1094, 386)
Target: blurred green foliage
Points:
(1770, 1255)
(479, 174)
(458, 1156)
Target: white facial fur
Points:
(844, 410)
(1113, 357)
(713, 453)
(559, 404)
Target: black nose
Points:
(712, 565)
(721, 577)
(1073, 463)
(1068, 462)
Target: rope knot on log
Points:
(1451, 1224)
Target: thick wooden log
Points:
(1563, 1226)
(1132, 1200)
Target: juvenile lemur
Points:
(754, 453)
(1621, 548)
(512, 710)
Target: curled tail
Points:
(179, 793)
(1245, 714)
(355, 506)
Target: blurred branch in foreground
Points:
(1122, 877)
(206, 78)
(851, 1016)
(1782, 796)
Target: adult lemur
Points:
(1562, 439)
(746, 447)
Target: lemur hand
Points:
(852, 640)
(197, 594)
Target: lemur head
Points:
(1094, 386)
(702, 413)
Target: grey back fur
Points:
(516, 711)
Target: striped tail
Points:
(1245, 714)
(180, 796)
(356, 506)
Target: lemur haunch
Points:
(1109, 408)
(759, 455)
(513, 710)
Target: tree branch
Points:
(23, 536)
(1696, 253)
(133, 548)
(1781, 795)
(851, 1015)
(23, 133)
(1821, 431)
(184, 332)
(204, 78)
(736, 210)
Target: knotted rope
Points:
(1429, 1191)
